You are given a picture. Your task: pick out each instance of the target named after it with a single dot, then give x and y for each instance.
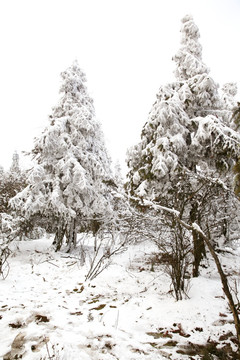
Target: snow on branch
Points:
(155, 206)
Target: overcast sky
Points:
(125, 48)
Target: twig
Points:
(49, 263)
(46, 343)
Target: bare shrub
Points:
(54, 351)
(4, 265)
(173, 242)
(175, 254)
(106, 245)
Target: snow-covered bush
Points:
(36, 233)
(6, 236)
(111, 236)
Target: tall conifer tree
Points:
(69, 181)
(186, 148)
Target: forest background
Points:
(125, 48)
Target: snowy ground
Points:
(48, 311)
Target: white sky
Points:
(124, 46)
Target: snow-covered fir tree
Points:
(186, 149)
(189, 57)
(228, 93)
(15, 168)
(71, 177)
(11, 183)
(11, 226)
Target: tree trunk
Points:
(198, 252)
(59, 235)
(95, 225)
(72, 235)
(198, 243)
(225, 288)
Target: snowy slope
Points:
(48, 311)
